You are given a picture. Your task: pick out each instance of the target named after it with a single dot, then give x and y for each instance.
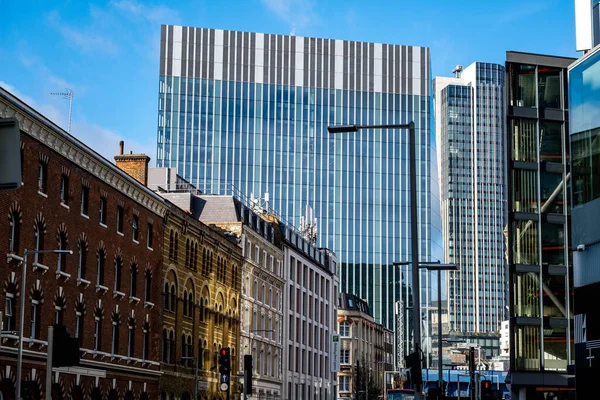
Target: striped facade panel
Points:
(197, 53)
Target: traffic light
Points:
(248, 374)
(65, 349)
(486, 389)
(224, 361)
(224, 368)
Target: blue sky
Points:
(107, 52)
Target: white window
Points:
(345, 356)
(64, 189)
(344, 383)
(130, 341)
(35, 318)
(115, 338)
(9, 312)
(134, 226)
(85, 197)
(97, 332)
(103, 210)
(345, 329)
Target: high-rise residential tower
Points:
(469, 113)
(250, 111)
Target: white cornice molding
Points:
(78, 153)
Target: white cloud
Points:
(103, 141)
(297, 14)
(591, 76)
(87, 40)
(154, 13)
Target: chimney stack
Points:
(135, 165)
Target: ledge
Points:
(103, 225)
(133, 299)
(101, 288)
(62, 275)
(42, 194)
(13, 257)
(83, 282)
(62, 203)
(148, 304)
(118, 294)
(36, 266)
(85, 216)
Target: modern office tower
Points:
(539, 258)
(584, 104)
(250, 111)
(366, 349)
(470, 125)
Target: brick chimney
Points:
(135, 165)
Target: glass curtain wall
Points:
(540, 267)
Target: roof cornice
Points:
(46, 132)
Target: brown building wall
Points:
(30, 205)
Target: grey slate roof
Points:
(213, 209)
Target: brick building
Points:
(104, 293)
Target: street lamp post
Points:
(439, 267)
(197, 359)
(414, 227)
(246, 372)
(22, 312)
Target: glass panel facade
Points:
(523, 87)
(527, 348)
(585, 147)
(471, 130)
(551, 140)
(549, 87)
(527, 294)
(261, 128)
(525, 190)
(552, 192)
(524, 140)
(538, 252)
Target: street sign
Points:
(335, 353)
(224, 378)
(224, 387)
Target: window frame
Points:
(42, 177)
(103, 210)
(120, 218)
(135, 227)
(64, 189)
(85, 201)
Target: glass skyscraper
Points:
(249, 112)
(469, 113)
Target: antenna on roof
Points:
(457, 70)
(68, 95)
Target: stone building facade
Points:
(262, 287)
(73, 199)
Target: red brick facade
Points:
(129, 376)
